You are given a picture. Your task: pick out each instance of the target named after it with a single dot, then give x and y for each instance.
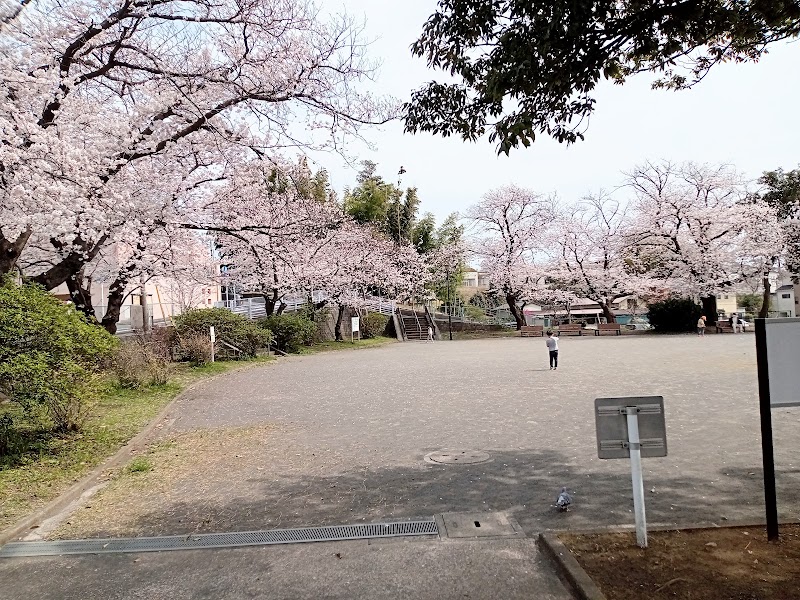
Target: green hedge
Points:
(674, 315)
(373, 325)
(49, 354)
(234, 329)
(290, 331)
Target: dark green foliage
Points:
(525, 67)
(674, 315)
(291, 331)
(232, 328)
(782, 192)
(750, 302)
(373, 325)
(49, 354)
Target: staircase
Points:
(414, 327)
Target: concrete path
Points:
(341, 438)
(422, 570)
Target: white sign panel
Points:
(354, 324)
(213, 335)
(783, 361)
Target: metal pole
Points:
(636, 476)
(767, 450)
(449, 306)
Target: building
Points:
(473, 282)
(585, 311)
(783, 302)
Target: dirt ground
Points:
(730, 563)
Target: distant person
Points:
(701, 326)
(430, 334)
(552, 347)
(734, 322)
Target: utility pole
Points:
(399, 197)
(449, 306)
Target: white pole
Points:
(636, 477)
(213, 337)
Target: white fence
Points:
(255, 308)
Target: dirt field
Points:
(721, 564)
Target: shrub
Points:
(196, 348)
(143, 361)
(232, 328)
(674, 314)
(49, 354)
(290, 331)
(373, 325)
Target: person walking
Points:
(430, 334)
(701, 326)
(552, 347)
(734, 322)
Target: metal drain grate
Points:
(221, 540)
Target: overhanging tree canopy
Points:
(524, 67)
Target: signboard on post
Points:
(777, 349)
(354, 327)
(213, 341)
(634, 428)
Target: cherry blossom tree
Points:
(700, 233)
(594, 253)
(510, 226)
(91, 91)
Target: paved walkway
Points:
(340, 438)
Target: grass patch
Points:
(140, 464)
(479, 335)
(346, 345)
(47, 464)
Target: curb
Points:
(568, 568)
(92, 482)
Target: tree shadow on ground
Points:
(523, 483)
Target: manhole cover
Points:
(457, 457)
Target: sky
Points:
(745, 115)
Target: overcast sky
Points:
(745, 115)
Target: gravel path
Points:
(340, 437)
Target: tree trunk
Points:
(710, 308)
(270, 300)
(81, 295)
(116, 296)
(516, 311)
(338, 329)
(762, 314)
(608, 313)
(69, 265)
(10, 251)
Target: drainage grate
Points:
(221, 540)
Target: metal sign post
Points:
(637, 481)
(632, 428)
(777, 348)
(213, 341)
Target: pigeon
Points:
(564, 500)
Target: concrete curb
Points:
(568, 568)
(93, 481)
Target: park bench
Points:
(570, 328)
(531, 330)
(613, 327)
(724, 327)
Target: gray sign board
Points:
(612, 426)
(783, 361)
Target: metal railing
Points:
(255, 308)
